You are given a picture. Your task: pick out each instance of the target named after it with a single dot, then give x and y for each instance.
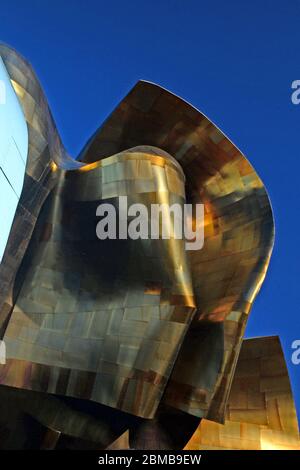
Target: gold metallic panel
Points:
(260, 413)
(45, 147)
(228, 272)
(94, 320)
(131, 324)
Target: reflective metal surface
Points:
(228, 272)
(260, 414)
(44, 147)
(102, 320)
(140, 326)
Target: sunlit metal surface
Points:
(117, 322)
(44, 146)
(260, 413)
(102, 320)
(228, 272)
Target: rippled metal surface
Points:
(102, 320)
(260, 413)
(239, 230)
(116, 322)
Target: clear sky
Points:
(234, 60)
(13, 154)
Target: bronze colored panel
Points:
(117, 323)
(228, 272)
(263, 421)
(107, 350)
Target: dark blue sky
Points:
(233, 60)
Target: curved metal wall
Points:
(134, 344)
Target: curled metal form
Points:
(135, 325)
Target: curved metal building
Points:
(137, 332)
